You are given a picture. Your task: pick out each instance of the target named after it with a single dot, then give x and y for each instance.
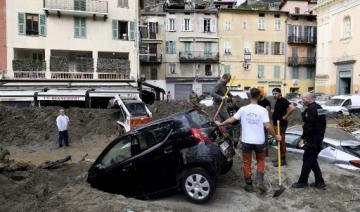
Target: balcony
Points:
(76, 7)
(302, 40)
(301, 61)
(198, 57)
(113, 68)
(28, 65)
(151, 59)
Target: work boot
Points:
(299, 185)
(318, 185)
(249, 188)
(260, 182)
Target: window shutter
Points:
(272, 48)
(282, 48)
(132, 30)
(115, 29)
(126, 3)
(168, 24)
(266, 47)
(77, 27)
(174, 24)
(42, 25)
(256, 47)
(190, 25)
(201, 25)
(83, 27)
(213, 25)
(173, 47)
(167, 47)
(21, 23)
(183, 25)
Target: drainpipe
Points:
(285, 53)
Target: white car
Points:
(342, 153)
(342, 104)
(356, 134)
(297, 103)
(208, 101)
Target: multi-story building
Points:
(338, 69)
(69, 39)
(191, 56)
(301, 46)
(252, 47)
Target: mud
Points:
(28, 137)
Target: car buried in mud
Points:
(184, 151)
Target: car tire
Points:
(226, 167)
(198, 185)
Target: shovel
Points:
(281, 187)
(222, 101)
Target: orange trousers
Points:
(247, 150)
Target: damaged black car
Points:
(185, 152)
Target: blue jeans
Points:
(63, 138)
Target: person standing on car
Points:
(282, 110)
(218, 94)
(253, 119)
(313, 134)
(265, 103)
(62, 123)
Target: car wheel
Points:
(198, 185)
(226, 167)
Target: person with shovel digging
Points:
(219, 95)
(253, 119)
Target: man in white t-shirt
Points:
(62, 123)
(253, 119)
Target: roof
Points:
(239, 10)
(283, 2)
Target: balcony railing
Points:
(302, 39)
(71, 75)
(301, 61)
(28, 65)
(111, 76)
(29, 74)
(150, 58)
(90, 7)
(67, 64)
(198, 56)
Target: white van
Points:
(343, 104)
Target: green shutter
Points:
(276, 72)
(76, 27)
(173, 45)
(167, 51)
(21, 23)
(83, 27)
(132, 31)
(115, 29)
(42, 25)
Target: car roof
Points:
(341, 97)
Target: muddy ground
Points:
(30, 136)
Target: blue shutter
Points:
(132, 30)
(76, 27)
(167, 50)
(115, 29)
(21, 23)
(42, 25)
(83, 27)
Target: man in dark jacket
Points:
(313, 134)
(218, 94)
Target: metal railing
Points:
(91, 6)
(150, 58)
(302, 39)
(198, 56)
(298, 61)
(28, 65)
(113, 76)
(29, 74)
(71, 75)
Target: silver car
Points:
(342, 153)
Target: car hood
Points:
(332, 108)
(350, 143)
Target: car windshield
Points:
(354, 150)
(334, 102)
(119, 152)
(136, 109)
(198, 119)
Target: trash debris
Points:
(54, 164)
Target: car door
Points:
(157, 163)
(115, 170)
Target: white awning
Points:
(62, 95)
(123, 93)
(17, 95)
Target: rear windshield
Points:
(198, 119)
(354, 150)
(136, 109)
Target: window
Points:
(295, 73)
(187, 25)
(153, 73)
(261, 73)
(80, 27)
(244, 25)
(247, 47)
(207, 25)
(119, 152)
(172, 25)
(80, 5)
(346, 27)
(297, 10)
(310, 73)
(227, 25)
(152, 135)
(276, 48)
(170, 47)
(227, 47)
(292, 140)
(207, 49)
(227, 69)
(172, 68)
(123, 30)
(208, 71)
(277, 24)
(187, 48)
(31, 24)
(261, 47)
(123, 3)
(261, 21)
(153, 29)
(276, 72)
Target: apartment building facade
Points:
(338, 68)
(252, 47)
(71, 39)
(301, 45)
(191, 56)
